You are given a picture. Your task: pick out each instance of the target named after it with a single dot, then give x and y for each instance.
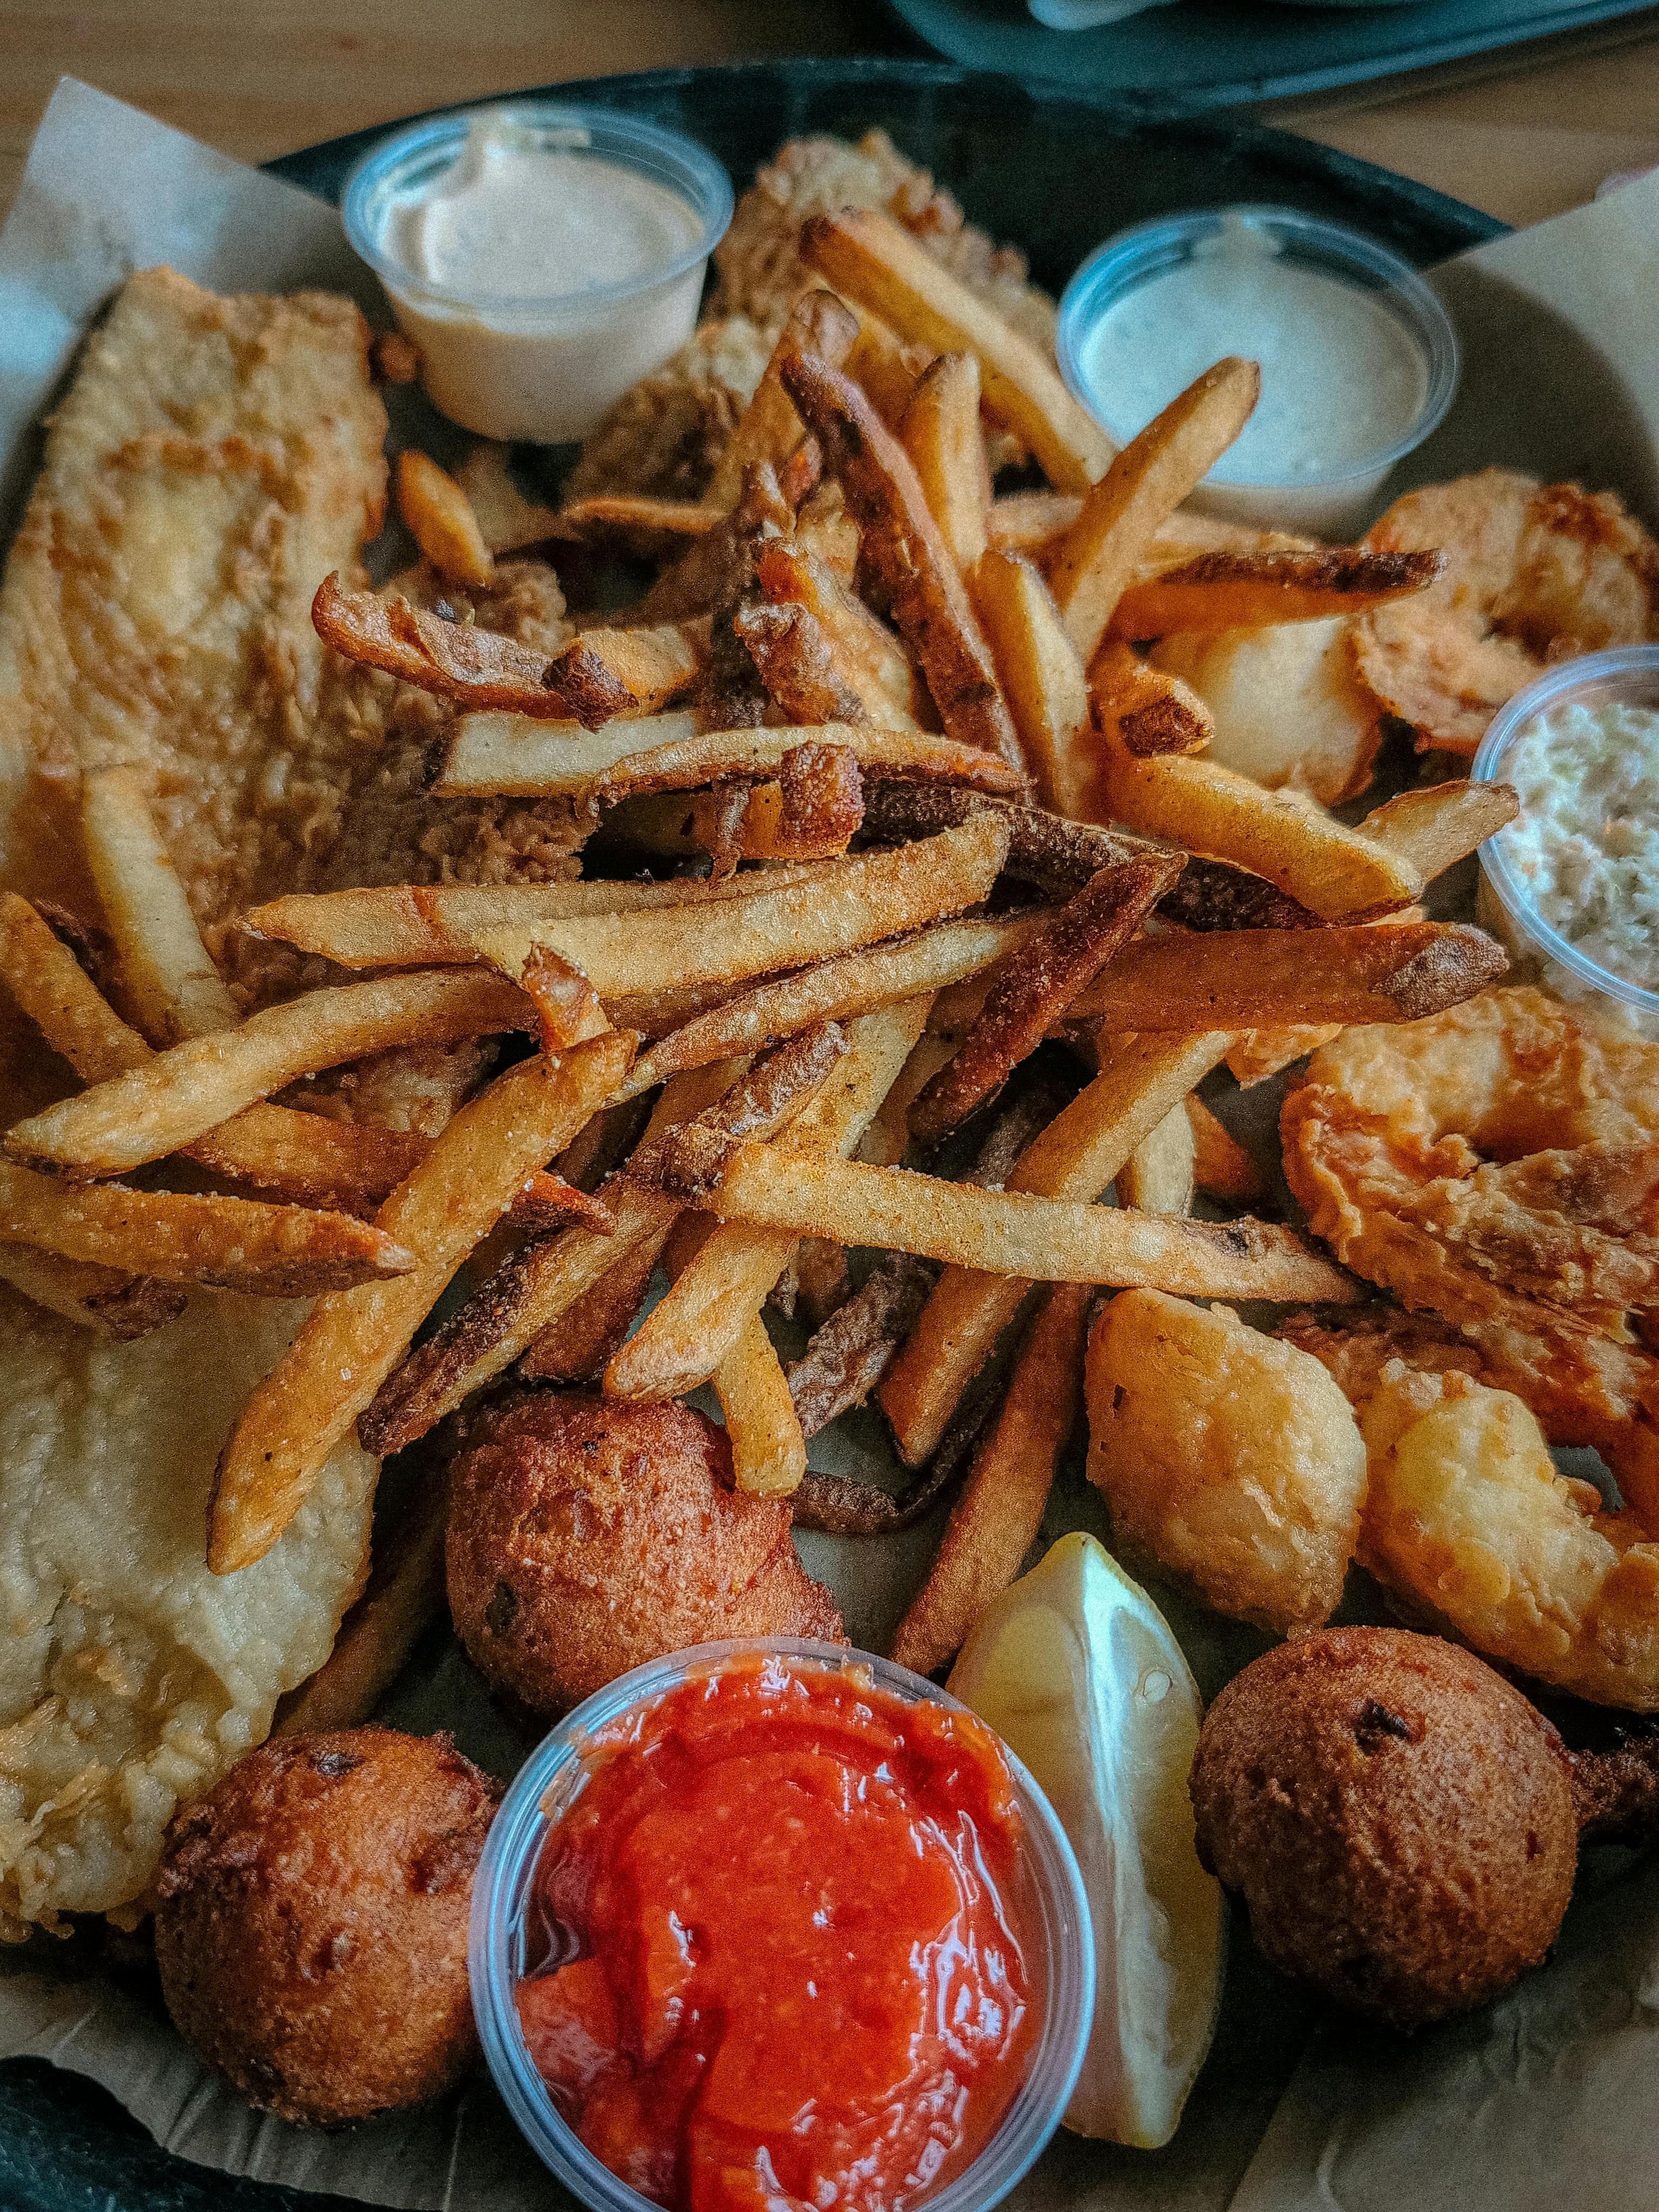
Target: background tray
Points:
(1221, 53)
(1037, 166)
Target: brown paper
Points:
(1544, 2100)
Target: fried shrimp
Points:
(1535, 573)
(1468, 1520)
(1498, 1158)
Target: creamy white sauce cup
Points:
(1314, 269)
(1628, 675)
(541, 362)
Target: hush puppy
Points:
(1399, 1820)
(1228, 1460)
(587, 1536)
(311, 1918)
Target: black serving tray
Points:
(1053, 171)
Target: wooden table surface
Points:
(1523, 135)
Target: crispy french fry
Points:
(1090, 566)
(849, 1354)
(676, 517)
(810, 813)
(1160, 1175)
(485, 757)
(453, 659)
(545, 1202)
(1026, 521)
(170, 1101)
(565, 1003)
(1221, 1166)
(939, 429)
(1210, 895)
(798, 664)
(905, 552)
(864, 654)
(1431, 829)
(1035, 989)
(232, 1244)
(440, 517)
(1003, 1232)
(1047, 690)
(1080, 1151)
(1059, 857)
(887, 366)
(768, 1452)
(1379, 972)
(860, 903)
(689, 1332)
(1337, 874)
(769, 429)
(576, 1346)
(172, 985)
(1142, 711)
(533, 1289)
(622, 675)
(995, 1521)
(506, 519)
(118, 1304)
(876, 264)
(349, 1344)
(1246, 591)
(833, 990)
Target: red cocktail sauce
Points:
(789, 1955)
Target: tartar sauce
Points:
(1585, 846)
(1342, 378)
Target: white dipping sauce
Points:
(1585, 846)
(518, 242)
(1342, 377)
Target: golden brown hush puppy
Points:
(312, 1921)
(587, 1536)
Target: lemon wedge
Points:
(1077, 1670)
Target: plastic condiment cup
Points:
(1628, 674)
(548, 1784)
(1328, 505)
(545, 368)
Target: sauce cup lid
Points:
(1625, 673)
(1147, 249)
(543, 1789)
(407, 160)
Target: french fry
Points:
(1249, 591)
(1144, 711)
(769, 429)
(475, 667)
(1026, 521)
(689, 1332)
(486, 758)
(1379, 972)
(1337, 874)
(1004, 1232)
(566, 1006)
(1042, 678)
(531, 1289)
(811, 812)
(1221, 1167)
(1430, 830)
(118, 1304)
(876, 264)
(939, 429)
(170, 984)
(421, 926)
(1210, 895)
(904, 551)
(507, 520)
(860, 903)
(545, 1202)
(333, 1166)
(849, 1354)
(833, 990)
(768, 1452)
(995, 1521)
(798, 664)
(1059, 857)
(576, 1346)
(349, 1343)
(169, 1102)
(1032, 992)
(232, 1243)
(865, 655)
(676, 517)
(731, 695)
(1122, 515)
(887, 366)
(440, 517)
(1080, 1151)
(622, 675)
(1160, 1175)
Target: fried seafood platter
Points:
(623, 1056)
